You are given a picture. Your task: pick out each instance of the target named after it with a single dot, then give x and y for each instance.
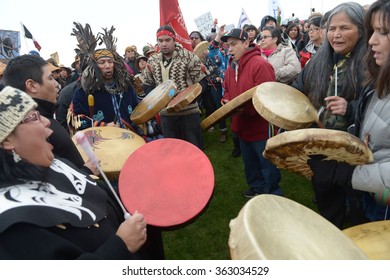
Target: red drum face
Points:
(168, 180)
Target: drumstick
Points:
(336, 58)
(335, 83)
(83, 142)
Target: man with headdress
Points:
(106, 96)
(175, 63)
(105, 80)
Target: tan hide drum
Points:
(284, 106)
(227, 109)
(271, 227)
(201, 49)
(372, 238)
(153, 102)
(183, 98)
(112, 146)
(291, 149)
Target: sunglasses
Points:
(264, 37)
(34, 116)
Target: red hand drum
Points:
(168, 180)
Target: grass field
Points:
(206, 236)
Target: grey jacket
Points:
(285, 62)
(375, 177)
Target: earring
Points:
(17, 158)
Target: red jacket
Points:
(253, 70)
(305, 57)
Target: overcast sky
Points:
(136, 21)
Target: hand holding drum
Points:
(153, 102)
(291, 149)
(183, 98)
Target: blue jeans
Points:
(261, 175)
(185, 127)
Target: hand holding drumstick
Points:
(133, 232)
(337, 105)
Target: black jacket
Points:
(64, 101)
(60, 138)
(70, 216)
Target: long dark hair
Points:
(319, 69)
(199, 35)
(375, 73)
(12, 172)
(291, 26)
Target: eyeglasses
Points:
(264, 37)
(34, 116)
(314, 29)
(194, 38)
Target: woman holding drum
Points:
(372, 123)
(49, 208)
(332, 80)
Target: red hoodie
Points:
(253, 70)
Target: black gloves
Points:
(330, 172)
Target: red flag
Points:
(37, 45)
(28, 35)
(170, 14)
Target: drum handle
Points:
(84, 143)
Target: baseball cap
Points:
(235, 33)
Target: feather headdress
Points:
(92, 79)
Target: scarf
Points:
(267, 53)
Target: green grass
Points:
(206, 236)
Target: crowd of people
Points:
(76, 216)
